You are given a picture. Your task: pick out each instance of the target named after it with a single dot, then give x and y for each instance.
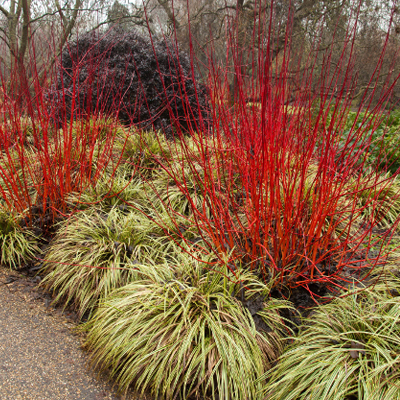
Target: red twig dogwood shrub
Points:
(70, 125)
(284, 193)
(41, 163)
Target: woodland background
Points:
(45, 27)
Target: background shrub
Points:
(148, 81)
(380, 139)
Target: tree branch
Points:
(4, 11)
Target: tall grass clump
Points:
(91, 254)
(99, 247)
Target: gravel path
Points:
(40, 356)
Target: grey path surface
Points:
(40, 356)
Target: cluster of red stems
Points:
(281, 192)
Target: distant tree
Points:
(119, 18)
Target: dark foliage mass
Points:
(146, 81)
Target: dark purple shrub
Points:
(143, 81)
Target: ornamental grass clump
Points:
(18, 245)
(122, 191)
(92, 253)
(185, 332)
(96, 250)
(346, 349)
(143, 152)
(17, 182)
(168, 187)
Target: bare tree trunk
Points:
(171, 15)
(68, 26)
(12, 17)
(22, 84)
